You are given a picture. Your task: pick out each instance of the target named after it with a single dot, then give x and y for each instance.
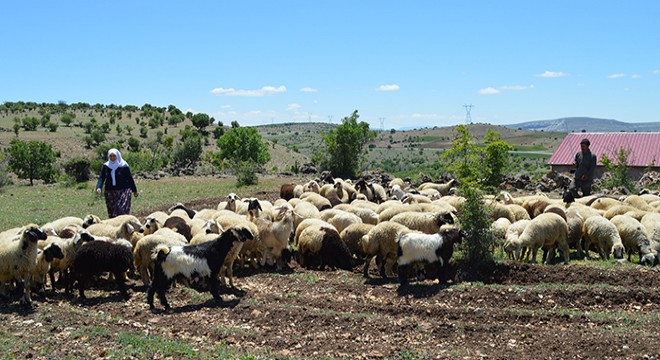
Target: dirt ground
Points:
(517, 311)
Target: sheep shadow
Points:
(211, 303)
(421, 291)
(99, 300)
(380, 281)
(8, 306)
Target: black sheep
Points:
(97, 257)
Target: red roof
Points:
(644, 147)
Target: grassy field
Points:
(20, 204)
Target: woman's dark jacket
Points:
(123, 178)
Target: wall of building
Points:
(635, 172)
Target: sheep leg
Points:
(403, 275)
(23, 288)
(213, 285)
(535, 249)
(122, 286)
(144, 275)
(230, 274)
(367, 261)
(81, 286)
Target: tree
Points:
(344, 146)
(462, 158)
(201, 121)
(243, 144)
(175, 119)
(618, 169)
(31, 160)
(67, 119)
(187, 153)
(495, 158)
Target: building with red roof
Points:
(643, 147)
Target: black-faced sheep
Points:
(634, 238)
(18, 258)
(197, 265)
(44, 258)
(321, 246)
(433, 250)
(145, 246)
(96, 257)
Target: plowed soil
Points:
(515, 311)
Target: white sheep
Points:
(512, 237)
(275, 235)
(433, 250)
(123, 231)
(55, 228)
(352, 235)
(603, 234)
(651, 222)
(44, 258)
(634, 238)
(548, 231)
(69, 247)
(368, 216)
(428, 223)
(441, 188)
(18, 258)
(320, 246)
(317, 200)
(339, 219)
(145, 246)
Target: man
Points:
(585, 164)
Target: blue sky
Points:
(413, 63)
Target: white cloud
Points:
(617, 76)
(390, 87)
(636, 76)
(424, 116)
(552, 74)
(517, 87)
(489, 91)
(264, 91)
(656, 72)
(226, 106)
(293, 107)
(308, 90)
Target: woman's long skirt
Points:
(118, 202)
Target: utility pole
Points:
(468, 116)
(382, 123)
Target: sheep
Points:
(311, 186)
(97, 257)
(433, 250)
(431, 193)
(197, 265)
(499, 227)
(512, 237)
(321, 246)
(122, 219)
(44, 258)
(396, 193)
(145, 246)
(634, 238)
(604, 203)
(388, 213)
(90, 219)
(18, 258)
(252, 249)
(365, 204)
(227, 268)
(317, 200)
(498, 210)
(415, 199)
(536, 205)
(352, 235)
(557, 209)
(519, 212)
(396, 181)
(545, 230)
(306, 223)
(304, 210)
(180, 225)
(152, 224)
(428, 223)
(123, 231)
(203, 228)
(275, 235)
(455, 201)
(54, 228)
(204, 215)
(575, 222)
(159, 216)
(604, 235)
(339, 219)
(286, 191)
(69, 247)
(623, 210)
(443, 189)
(638, 202)
(651, 222)
(381, 242)
(367, 216)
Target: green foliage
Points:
(17, 128)
(175, 119)
(462, 158)
(246, 173)
(133, 144)
(98, 136)
(243, 144)
(187, 153)
(30, 123)
(4, 175)
(143, 131)
(344, 147)
(218, 132)
(67, 119)
(201, 121)
(52, 127)
(144, 160)
(474, 219)
(78, 168)
(31, 160)
(618, 169)
(496, 160)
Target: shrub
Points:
(78, 168)
(618, 169)
(144, 161)
(4, 174)
(474, 219)
(246, 173)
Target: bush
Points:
(474, 219)
(144, 161)
(246, 173)
(4, 175)
(79, 169)
(618, 168)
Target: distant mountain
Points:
(578, 124)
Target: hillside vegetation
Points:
(290, 144)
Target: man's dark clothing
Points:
(585, 163)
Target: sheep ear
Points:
(129, 228)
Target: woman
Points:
(119, 184)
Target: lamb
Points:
(145, 246)
(180, 225)
(512, 237)
(367, 216)
(123, 231)
(44, 258)
(428, 223)
(18, 258)
(55, 228)
(381, 242)
(321, 246)
(197, 265)
(317, 200)
(339, 219)
(433, 250)
(97, 257)
(69, 247)
(90, 219)
(519, 212)
(352, 235)
(634, 238)
(604, 235)
(275, 235)
(545, 230)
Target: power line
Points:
(382, 123)
(468, 116)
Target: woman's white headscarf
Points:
(113, 165)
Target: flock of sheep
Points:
(329, 223)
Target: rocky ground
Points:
(516, 311)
